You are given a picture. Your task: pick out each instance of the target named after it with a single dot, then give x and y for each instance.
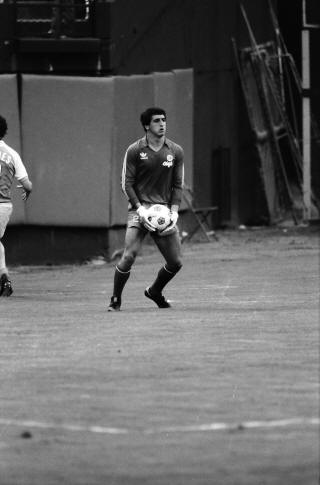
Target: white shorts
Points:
(5, 214)
(134, 221)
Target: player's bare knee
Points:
(127, 260)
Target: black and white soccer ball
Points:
(159, 216)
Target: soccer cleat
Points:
(158, 298)
(5, 286)
(115, 304)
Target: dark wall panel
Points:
(150, 36)
(215, 132)
(315, 107)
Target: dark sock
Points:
(163, 278)
(120, 279)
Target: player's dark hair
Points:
(146, 116)
(3, 127)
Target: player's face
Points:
(158, 125)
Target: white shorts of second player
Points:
(5, 214)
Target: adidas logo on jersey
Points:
(143, 156)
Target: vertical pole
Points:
(306, 123)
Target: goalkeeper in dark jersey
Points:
(152, 173)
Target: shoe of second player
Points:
(115, 304)
(158, 298)
(5, 286)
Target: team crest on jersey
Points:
(143, 156)
(169, 161)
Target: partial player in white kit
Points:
(11, 167)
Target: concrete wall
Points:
(67, 139)
(73, 136)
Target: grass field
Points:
(222, 389)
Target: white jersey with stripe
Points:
(11, 166)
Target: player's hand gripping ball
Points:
(159, 216)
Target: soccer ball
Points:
(159, 216)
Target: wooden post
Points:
(306, 123)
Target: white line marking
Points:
(66, 427)
(167, 429)
(239, 426)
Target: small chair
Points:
(201, 216)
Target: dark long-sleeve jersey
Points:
(155, 177)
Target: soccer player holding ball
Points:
(11, 167)
(152, 173)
